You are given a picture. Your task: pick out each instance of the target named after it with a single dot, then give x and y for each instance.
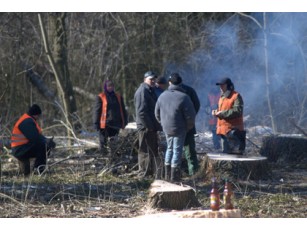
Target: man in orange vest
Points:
(27, 141)
(212, 104)
(230, 118)
(110, 115)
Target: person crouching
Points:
(27, 141)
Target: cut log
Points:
(222, 213)
(165, 195)
(284, 149)
(233, 167)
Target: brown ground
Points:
(83, 183)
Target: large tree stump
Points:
(233, 167)
(167, 195)
(284, 148)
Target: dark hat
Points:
(34, 110)
(175, 79)
(161, 80)
(150, 74)
(224, 80)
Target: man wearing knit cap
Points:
(161, 85)
(27, 141)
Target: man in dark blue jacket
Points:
(176, 113)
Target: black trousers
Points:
(150, 162)
(39, 152)
(104, 134)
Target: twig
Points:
(296, 126)
(10, 198)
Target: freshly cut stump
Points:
(167, 195)
(234, 167)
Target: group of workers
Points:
(161, 105)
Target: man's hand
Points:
(216, 113)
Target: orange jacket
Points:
(17, 137)
(103, 117)
(224, 125)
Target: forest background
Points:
(60, 60)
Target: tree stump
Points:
(234, 167)
(284, 149)
(165, 195)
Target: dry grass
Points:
(86, 184)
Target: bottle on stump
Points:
(214, 196)
(227, 195)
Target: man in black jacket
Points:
(149, 161)
(189, 143)
(27, 141)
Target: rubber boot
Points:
(175, 174)
(167, 169)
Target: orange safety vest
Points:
(225, 125)
(17, 137)
(103, 117)
(213, 100)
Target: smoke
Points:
(265, 56)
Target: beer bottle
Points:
(227, 195)
(214, 197)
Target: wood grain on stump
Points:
(167, 195)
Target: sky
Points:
(154, 6)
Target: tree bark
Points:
(233, 167)
(60, 60)
(284, 149)
(166, 195)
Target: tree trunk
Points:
(57, 22)
(284, 149)
(233, 167)
(166, 195)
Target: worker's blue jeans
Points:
(174, 150)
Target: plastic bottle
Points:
(227, 195)
(214, 197)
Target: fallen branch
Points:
(291, 120)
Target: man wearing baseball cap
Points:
(149, 161)
(230, 118)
